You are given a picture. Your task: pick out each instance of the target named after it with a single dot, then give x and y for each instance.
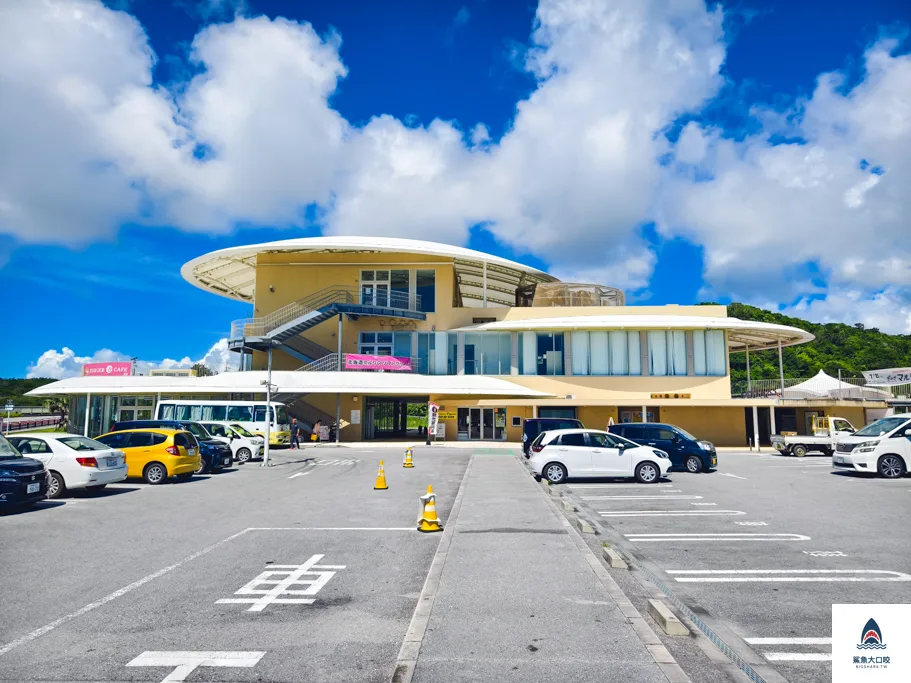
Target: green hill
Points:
(13, 389)
(837, 346)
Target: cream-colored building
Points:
(492, 341)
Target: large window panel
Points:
(599, 353)
(426, 290)
(657, 353)
(580, 346)
(715, 353)
(699, 367)
(550, 353)
(400, 285)
(676, 352)
(402, 344)
(634, 345)
(528, 348)
(619, 353)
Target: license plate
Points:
(33, 488)
(839, 459)
(226, 461)
(112, 462)
(191, 451)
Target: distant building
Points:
(173, 372)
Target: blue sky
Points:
(679, 178)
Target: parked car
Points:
(882, 447)
(562, 453)
(246, 433)
(215, 454)
(535, 425)
(684, 449)
(243, 448)
(23, 481)
(827, 432)
(156, 454)
(73, 461)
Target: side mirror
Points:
(908, 432)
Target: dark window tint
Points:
(577, 439)
(140, 440)
(599, 440)
(538, 438)
(181, 440)
(158, 439)
(259, 414)
(116, 440)
(634, 433)
(663, 434)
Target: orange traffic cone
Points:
(380, 479)
(408, 462)
(429, 521)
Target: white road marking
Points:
(798, 656)
(728, 474)
(332, 528)
(641, 497)
(617, 486)
(292, 577)
(299, 474)
(670, 491)
(752, 523)
(788, 641)
(824, 553)
(37, 633)
(667, 513)
(343, 461)
(703, 503)
(781, 575)
(650, 538)
(187, 662)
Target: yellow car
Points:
(156, 454)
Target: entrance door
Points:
(375, 287)
(474, 423)
(487, 427)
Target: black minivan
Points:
(536, 425)
(684, 449)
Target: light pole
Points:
(268, 385)
(9, 408)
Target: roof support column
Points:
(485, 284)
(772, 428)
(265, 462)
(749, 381)
(88, 409)
(756, 427)
(338, 397)
(780, 368)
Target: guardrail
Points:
(19, 425)
(851, 388)
(330, 364)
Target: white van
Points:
(242, 448)
(883, 447)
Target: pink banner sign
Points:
(124, 369)
(359, 361)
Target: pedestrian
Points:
(295, 434)
(316, 427)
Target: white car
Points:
(243, 448)
(563, 453)
(73, 461)
(882, 447)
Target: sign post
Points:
(433, 417)
(9, 408)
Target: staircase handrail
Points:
(330, 363)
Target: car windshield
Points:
(883, 426)
(197, 430)
(685, 434)
(7, 450)
(82, 443)
(282, 415)
(240, 430)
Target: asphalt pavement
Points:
(760, 550)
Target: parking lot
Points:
(304, 572)
(762, 548)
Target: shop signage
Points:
(360, 361)
(119, 369)
(447, 415)
(889, 377)
(670, 395)
(433, 417)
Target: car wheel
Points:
(155, 473)
(647, 473)
(799, 450)
(555, 473)
(891, 467)
(55, 485)
(203, 467)
(243, 455)
(693, 464)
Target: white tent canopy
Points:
(826, 386)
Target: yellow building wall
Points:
(722, 426)
(597, 417)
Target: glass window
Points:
(114, 440)
(576, 439)
(166, 411)
(599, 352)
(634, 433)
(676, 352)
(581, 351)
(139, 440)
(400, 284)
(240, 413)
(402, 344)
(599, 440)
(32, 446)
(158, 439)
(382, 275)
(657, 353)
(217, 430)
(182, 412)
(664, 434)
(453, 352)
(128, 401)
(259, 413)
(180, 439)
(211, 412)
(550, 353)
(426, 290)
(426, 345)
(81, 443)
(145, 401)
(366, 276)
(384, 337)
(634, 349)
(368, 337)
(282, 414)
(709, 353)
(7, 449)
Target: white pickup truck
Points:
(827, 431)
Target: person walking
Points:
(295, 434)
(316, 427)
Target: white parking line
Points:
(728, 474)
(666, 538)
(782, 575)
(703, 503)
(187, 662)
(667, 513)
(797, 656)
(641, 497)
(788, 641)
(617, 486)
(299, 474)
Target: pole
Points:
(781, 369)
(484, 286)
(749, 381)
(268, 407)
(338, 397)
(839, 383)
(88, 408)
(756, 426)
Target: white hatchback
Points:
(564, 453)
(243, 448)
(73, 461)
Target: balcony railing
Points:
(323, 299)
(850, 388)
(330, 364)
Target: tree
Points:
(202, 370)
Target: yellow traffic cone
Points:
(429, 521)
(408, 462)
(380, 479)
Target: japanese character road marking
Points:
(291, 575)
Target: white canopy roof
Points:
(290, 382)
(741, 333)
(232, 272)
(826, 386)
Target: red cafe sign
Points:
(118, 369)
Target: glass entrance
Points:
(477, 424)
(375, 287)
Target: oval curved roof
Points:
(231, 272)
(741, 333)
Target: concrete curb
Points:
(614, 558)
(584, 526)
(666, 619)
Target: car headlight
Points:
(705, 445)
(867, 446)
(660, 454)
